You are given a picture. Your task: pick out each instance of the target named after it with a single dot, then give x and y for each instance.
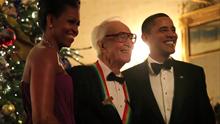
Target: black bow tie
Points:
(113, 77)
(157, 67)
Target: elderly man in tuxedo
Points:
(163, 90)
(101, 95)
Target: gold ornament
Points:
(11, 108)
(7, 109)
(25, 2)
(2, 2)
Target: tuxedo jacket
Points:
(88, 97)
(190, 101)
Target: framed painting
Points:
(201, 31)
(204, 38)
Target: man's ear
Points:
(144, 37)
(100, 44)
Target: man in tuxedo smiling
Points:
(163, 90)
(101, 95)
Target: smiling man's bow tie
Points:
(157, 67)
(113, 77)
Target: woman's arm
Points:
(43, 72)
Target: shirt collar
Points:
(106, 70)
(151, 60)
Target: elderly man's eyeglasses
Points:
(123, 36)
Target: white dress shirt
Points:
(115, 90)
(163, 89)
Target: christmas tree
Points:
(18, 28)
(10, 95)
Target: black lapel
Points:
(150, 99)
(179, 89)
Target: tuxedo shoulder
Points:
(138, 67)
(80, 69)
(187, 65)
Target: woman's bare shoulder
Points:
(43, 55)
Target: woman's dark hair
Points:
(55, 8)
(149, 22)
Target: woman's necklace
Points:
(48, 44)
(51, 45)
(60, 60)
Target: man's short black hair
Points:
(149, 22)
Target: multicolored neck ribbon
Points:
(108, 99)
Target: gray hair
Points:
(99, 33)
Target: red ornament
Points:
(7, 37)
